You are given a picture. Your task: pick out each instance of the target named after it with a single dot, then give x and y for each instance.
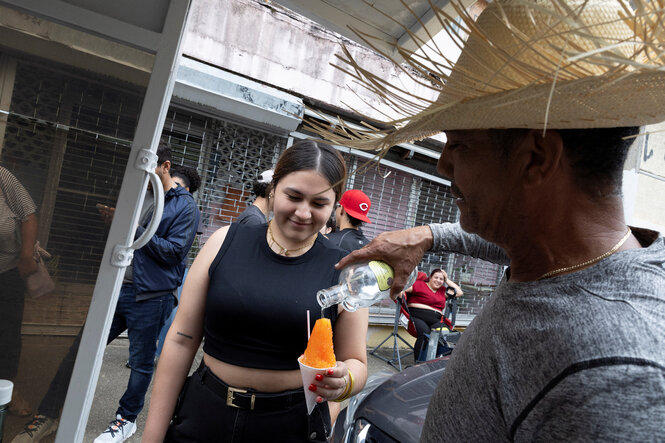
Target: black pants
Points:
(12, 299)
(423, 320)
(54, 398)
(202, 415)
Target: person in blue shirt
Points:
(145, 302)
(189, 179)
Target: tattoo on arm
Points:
(184, 335)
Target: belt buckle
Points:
(230, 397)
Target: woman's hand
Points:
(332, 384)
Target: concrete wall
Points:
(59, 43)
(273, 45)
(644, 180)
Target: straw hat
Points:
(528, 64)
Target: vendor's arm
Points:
(182, 341)
(404, 249)
(450, 237)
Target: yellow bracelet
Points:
(348, 392)
(344, 395)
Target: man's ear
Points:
(543, 154)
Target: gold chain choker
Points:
(282, 250)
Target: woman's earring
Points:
(270, 195)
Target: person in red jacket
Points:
(426, 301)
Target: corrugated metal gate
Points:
(228, 156)
(67, 139)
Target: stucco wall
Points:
(266, 43)
(649, 183)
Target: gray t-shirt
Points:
(251, 216)
(576, 357)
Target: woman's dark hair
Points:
(308, 155)
(260, 189)
(434, 271)
(331, 223)
(597, 155)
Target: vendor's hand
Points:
(402, 250)
(26, 266)
(332, 384)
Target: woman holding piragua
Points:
(248, 293)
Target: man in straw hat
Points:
(539, 112)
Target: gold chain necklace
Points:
(614, 249)
(282, 250)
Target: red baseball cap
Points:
(356, 203)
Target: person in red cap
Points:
(350, 213)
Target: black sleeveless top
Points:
(257, 302)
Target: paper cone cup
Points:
(308, 373)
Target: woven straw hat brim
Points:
(636, 100)
(557, 64)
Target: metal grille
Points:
(228, 158)
(68, 139)
(476, 277)
(390, 191)
(402, 200)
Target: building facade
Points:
(70, 103)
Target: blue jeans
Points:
(167, 325)
(143, 321)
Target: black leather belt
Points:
(248, 398)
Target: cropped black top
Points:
(257, 302)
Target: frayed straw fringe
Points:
(551, 56)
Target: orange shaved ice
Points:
(319, 352)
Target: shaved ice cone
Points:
(317, 359)
(308, 375)
(319, 352)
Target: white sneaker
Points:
(118, 431)
(38, 428)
